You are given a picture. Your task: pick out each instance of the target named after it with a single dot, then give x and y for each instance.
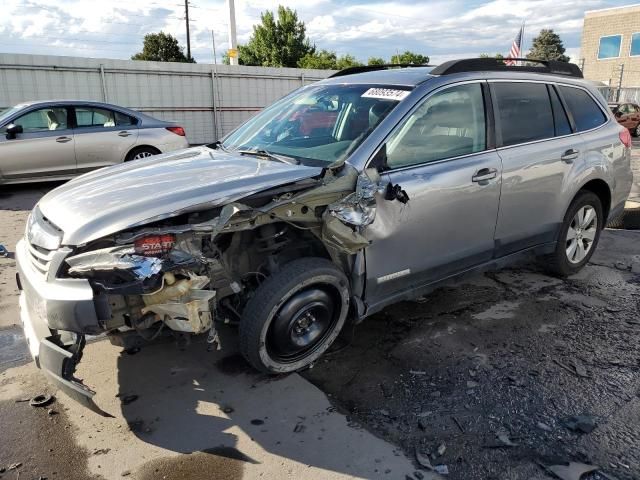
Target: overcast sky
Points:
(442, 29)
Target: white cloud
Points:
(439, 28)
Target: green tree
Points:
(347, 61)
(410, 57)
(322, 59)
(547, 46)
(499, 56)
(162, 47)
(376, 61)
(280, 42)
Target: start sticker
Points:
(386, 93)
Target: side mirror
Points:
(379, 160)
(13, 130)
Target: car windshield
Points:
(317, 125)
(4, 114)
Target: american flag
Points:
(515, 48)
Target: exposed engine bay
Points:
(184, 272)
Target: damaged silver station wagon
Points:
(346, 196)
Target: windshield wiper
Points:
(265, 153)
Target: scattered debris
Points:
(423, 459)
(51, 412)
(14, 466)
(504, 439)
(472, 384)
(126, 473)
(441, 469)
(544, 426)
(572, 471)
(457, 422)
(3, 251)
(127, 399)
(299, 428)
(257, 421)
(580, 423)
(227, 409)
(101, 451)
(41, 400)
(578, 369)
(441, 449)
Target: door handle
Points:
(570, 155)
(484, 174)
(124, 134)
(63, 139)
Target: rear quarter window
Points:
(584, 109)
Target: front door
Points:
(45, 148)
(440, 157)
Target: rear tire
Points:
(294, 316)
(578, 236)
(140, 153)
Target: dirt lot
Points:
(481, 377)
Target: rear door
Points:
(45, 148)
(538, 148)
(441, 157)
(103, 136)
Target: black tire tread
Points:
(276, 287)
(133, 152)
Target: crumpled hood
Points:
(114, 198)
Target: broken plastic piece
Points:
(115, 258)
(395, 192)
(573, 471)
(359, 207)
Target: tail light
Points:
(154, 245)
(177, 131)
(625, 137)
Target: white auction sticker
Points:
(386, 93)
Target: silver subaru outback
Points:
(348, 195)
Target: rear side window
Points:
(524, 112)
(560, 119)
(585, 111)
(123, 120)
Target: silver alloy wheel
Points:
(581, 233)
(140, 155)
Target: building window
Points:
(635, 45)
(609, 47)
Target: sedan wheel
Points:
(143, 154)
(581, 234)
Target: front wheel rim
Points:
(302, 325)
(140, 155)
(581, 234)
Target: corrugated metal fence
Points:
(631, 95)
(207, 100)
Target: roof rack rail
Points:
(494, 64)
(373, 68)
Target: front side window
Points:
(317, 125)
(448, 124)
(94, 117)
(50, 118)
(523, 111)
(635, 45)
(586, 113)
(609, 47)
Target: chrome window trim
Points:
(548, 82)
(417, 105)
(619, 49)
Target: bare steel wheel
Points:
(581, 234)
(294, 316)
(578, 236)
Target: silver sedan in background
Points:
(57, 140)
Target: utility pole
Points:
(186, 11)
(233, 42)
(620, 82)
